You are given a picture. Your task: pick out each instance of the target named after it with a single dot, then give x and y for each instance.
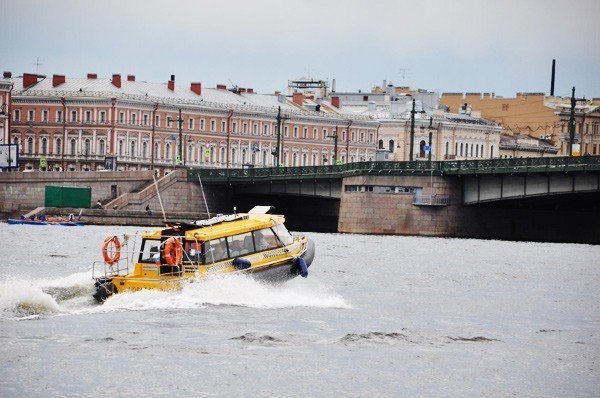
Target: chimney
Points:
(221, 87)
(92, 76)
(552, 79)
(130, 78)
(7, 75)
(57, 80)
(335, 101)
(298, 98)
(29, 79)
(250, 91)
(197, 88)
(116, 80)
(171, 83)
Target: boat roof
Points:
(220, 226)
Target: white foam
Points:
(20, 298)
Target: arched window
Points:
(476, 151)
(58, 149)
(492, 151)
(264, 158)
(144, 149)
(44, 145)
(222, 157)
(295, 160)
(101, 147)
(232, 156)
(314, 159)
(243, 156)
(73, 146)
(461, 149)
(87, 147)
(30, 145)
(120, 147)
(422, 149)
(380, 144)
(391, 145)
(447, 148)
(303, 159)
(156, 150)
(471, 150)
(132, 149)
(190, 153)
(167, 151)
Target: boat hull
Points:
(29, 222)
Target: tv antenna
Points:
(38, 63)
(403, 74)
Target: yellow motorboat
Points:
(255, 243)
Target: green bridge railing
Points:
(450, 167)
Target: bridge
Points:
(518, 198)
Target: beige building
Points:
(525, 146)
(587, 129)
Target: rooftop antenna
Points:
(403, 73)
(38, 63)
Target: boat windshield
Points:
(214, 250)
(150, 252)
(282, 233)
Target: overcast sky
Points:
(493, 46)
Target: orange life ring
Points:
(111, 254)
(173, 251)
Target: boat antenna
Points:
(159, 199)
(203, 196)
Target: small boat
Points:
(39, 222)
(254, 243)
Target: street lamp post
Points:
(180, 146)
(335, 144)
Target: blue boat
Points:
(30, 222)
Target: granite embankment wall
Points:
(125, 195)
(393, 213)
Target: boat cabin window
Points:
(214, 250)
(282, 233)
(240, 245)
(150, 251)
(192, 252)
(265, 239)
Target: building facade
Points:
(587, 129)
(92, 123)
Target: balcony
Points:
(431, 200)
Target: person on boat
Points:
(261, 243)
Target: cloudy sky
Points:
(460, 45)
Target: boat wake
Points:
(27, 299)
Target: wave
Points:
(72, 294)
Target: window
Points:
(144, 149)
(305, 133)
(295, 159)
(44, 116)
(17, 117)
(255, 129)
(132, 149)
(30, 145)
(391, 146)
(102, 117)
(324, 133)
(73, 146)
(101, 147)
(213, 125)
(380, 146)
(214, 250)
(285, 131)
(120, 147)
(447, 147)
(73, 116)
(222, 156)
(191, 124)
(168, 151)
(157, 120)
(87, 147)
(245, 128)
(343, 135)
(59, 116)
(169, 121)
(362, 136)
(282, 233)
(156, 150)
(58, 148)
(492, 151)
(422, 149)
(265, 239)
(295, 131)
(353, 136)
(223, 126)
(304, 159)
(145, 120)
(266, 129)
(461, 149)
(202, 125)
(149, 252)
(365, 97)
(371, 137)
(240, 245)
(121, 117)
(31, 115)
(88, 116)
(234, 127)
(134, 118)
(315, 134)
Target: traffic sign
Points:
(427, 148)
(43, 163)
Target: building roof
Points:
(526, 143)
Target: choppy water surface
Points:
(377, 316)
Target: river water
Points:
(377, 316)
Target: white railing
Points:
(431, 200)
